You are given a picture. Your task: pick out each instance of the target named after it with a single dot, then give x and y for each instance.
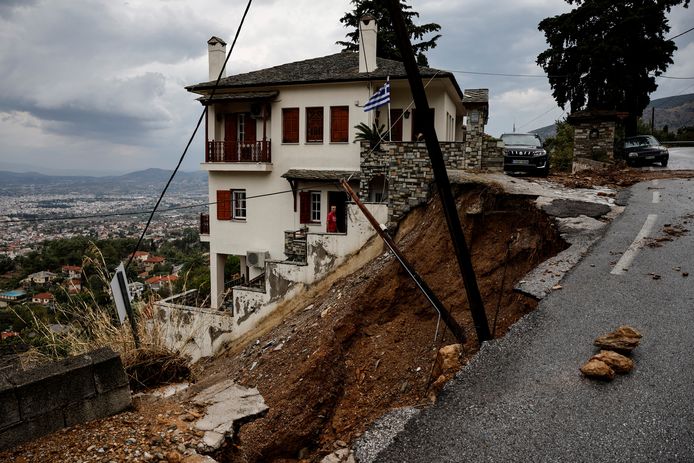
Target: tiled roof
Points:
(44, 296)
(340, 67)
(312, 174)
(476, 95)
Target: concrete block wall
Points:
(49, 397)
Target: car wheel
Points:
(663, 162)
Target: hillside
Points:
(673, 111)
(140, 182)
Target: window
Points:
(315, 206)
(396, 123)
(223, 205)
(309, 206)
(238, 203)
(339, 123)
(314, 124)
(290, 125)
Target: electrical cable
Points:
(130, 213)
(195, 131)
(681, 34)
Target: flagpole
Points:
(389, 127)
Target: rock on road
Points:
(522, 398)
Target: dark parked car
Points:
(645, 149)
(523, 152)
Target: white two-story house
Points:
(278, 140)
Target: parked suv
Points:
(645, 149)
(523, 152)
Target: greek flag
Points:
(379, 98)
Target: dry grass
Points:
(92, 325)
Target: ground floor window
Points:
(315, 206)
(238, 202)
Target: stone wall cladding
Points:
(295, 245)
(49, 397)
(492, 153)
(599, 148)
(407, 168)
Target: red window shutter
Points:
(314, 124)
(304, 207)
(249, 130)
(339, 123)
(396, 122)
(223, 204)
(290, 125)
(230, 128)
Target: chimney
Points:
(367, 43)
(216, 53)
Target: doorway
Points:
(339, 200)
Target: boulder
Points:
(598, 369)
(618, 362)
(447, 360)
(623, 340)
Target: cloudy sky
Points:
(96, 86)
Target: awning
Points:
(232, 97)
(320, 175)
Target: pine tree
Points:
(386, 46)
(605, 54)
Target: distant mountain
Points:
(140, 182)
(673, 111)
(546, 132)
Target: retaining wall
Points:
(49, 397)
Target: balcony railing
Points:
(233, 151)
(204, 224)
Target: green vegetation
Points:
(560, 147)
(605, 55)
(386, 42)
(374, 134)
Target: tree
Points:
(386, 41)
(605, 54)
(561, 147)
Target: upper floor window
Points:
(396, 124)
(290, 125)
(223, 205)
(238, 204)
(339, 124)
(314, 124)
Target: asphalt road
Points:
(523, 398)
(681, 158)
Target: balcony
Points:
(238, 156)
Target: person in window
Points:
(332, 220)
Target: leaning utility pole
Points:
(440, 176)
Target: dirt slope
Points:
(368, 345)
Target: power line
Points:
(142, 212)
(681, 34)
(195, 131)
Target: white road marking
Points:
(630, 254)
(656, 197)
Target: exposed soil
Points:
(348, 354)
(367, 346)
